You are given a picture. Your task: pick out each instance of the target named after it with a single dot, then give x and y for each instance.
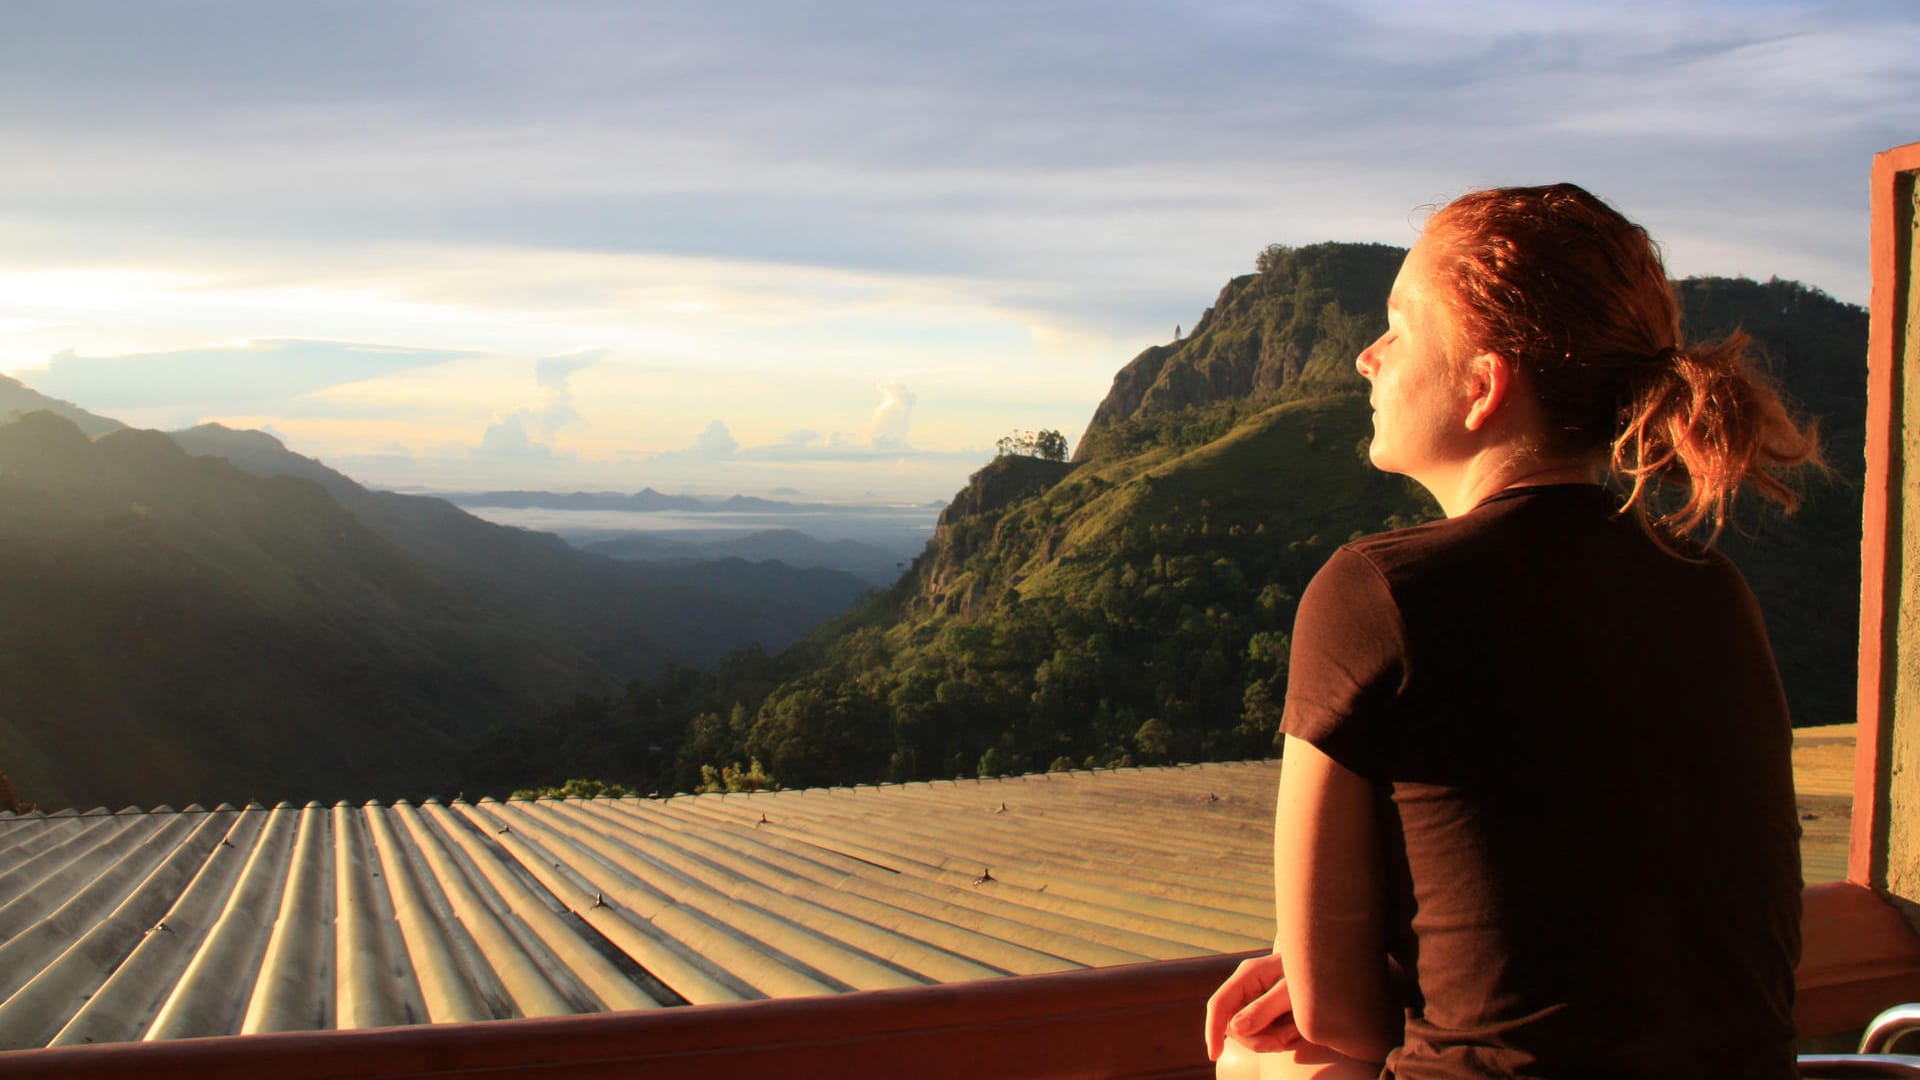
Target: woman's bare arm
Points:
(1328, 899)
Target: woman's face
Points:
(1419, 408)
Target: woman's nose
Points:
(1365, 363)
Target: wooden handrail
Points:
(1140, 1020)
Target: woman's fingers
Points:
(1221, 1008)
(1247, 983)
(1263, 1011)
(1280, 1036)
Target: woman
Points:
(1537, 813)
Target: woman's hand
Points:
(1254, 1007)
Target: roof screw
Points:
(986, 875)
(1002, 810)
(599, 900)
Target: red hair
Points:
(1558, 284)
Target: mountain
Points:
(629, 617)
(173, 630)
(1296, 323)
(18, 399)
(1136, 604)
(245, 622)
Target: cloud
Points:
(847, 192)
(528, 434)
(256, 376)
(715, 442)
(507, 437)
(1102, 173)
(842, 450)
(552, 373)
(888, 428)
(879, 135)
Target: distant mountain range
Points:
(208, 616)
(879, 557)
(644, 500)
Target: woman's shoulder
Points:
(1548, 537)
(1410, 549)
(1515, 529)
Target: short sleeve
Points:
(1348, 663)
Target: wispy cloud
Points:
(244, 377)
(888, 136)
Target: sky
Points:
(833, 248)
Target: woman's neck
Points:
(1477, 485)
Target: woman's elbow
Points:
(1344, 1028)
(1317, 1024)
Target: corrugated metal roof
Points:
(172, 924)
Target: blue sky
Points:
(838, 247)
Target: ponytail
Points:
(1706, 418)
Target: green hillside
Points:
(1137, 610)
(1806, 568)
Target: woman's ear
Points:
(1489, 380)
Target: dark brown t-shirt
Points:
(1583, 753)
